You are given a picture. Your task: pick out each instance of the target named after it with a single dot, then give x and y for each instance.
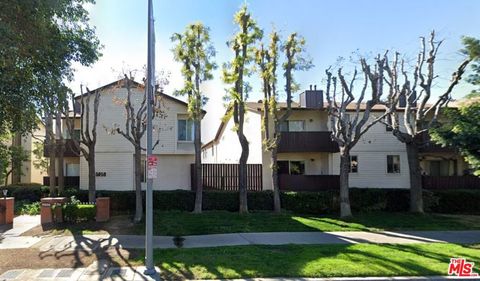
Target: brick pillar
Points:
(103, 209)
(46, 215)
(6, 210)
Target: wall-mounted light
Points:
(311, 159)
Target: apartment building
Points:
(308, 159)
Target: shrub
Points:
(30, 192)
(323, 202)
(24, 207)
(74, 212)
(457, 201)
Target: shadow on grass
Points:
(311, 261)
(106, 251)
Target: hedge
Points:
(78, 212)
(324, 202)
(30, 192)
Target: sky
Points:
(332, 29)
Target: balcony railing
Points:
(430, 146)
(71, 149)
(307, 142)
(69, 181)
(451, 182)
(308, 182)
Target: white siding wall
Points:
(228, 149)
(372, 150)
(114, 153)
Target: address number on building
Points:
(101, 174)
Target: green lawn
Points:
(311, 260)
(183, 223)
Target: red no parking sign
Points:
(152, 162)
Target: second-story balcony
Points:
(71, 149)
(430, 146)
(307, 142)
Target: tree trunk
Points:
(51, 148)
(416, 199)
(91, 174)
(138, 186)
(276, 188)
(61, 176)
(60, 151)
(242, 172)
(198, 168)
(16, 175)
(345, 210)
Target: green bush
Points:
(24, 207)
(456, 201)
(30, 192)
(323, 202)
(74, 212)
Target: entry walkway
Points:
(92, 242)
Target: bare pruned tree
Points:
(135, 128)
(85, 141)
(413, 109)
(350, 117)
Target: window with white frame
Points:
(185, 130)
(293, 126)
(393, 164)
(353, 164)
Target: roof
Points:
(119, 81)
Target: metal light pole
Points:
(150, 89)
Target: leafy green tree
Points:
(40, 40)
(461, 128)
(267, 61)
(420, 109)
(11, 158)
(234, 73)
(195, 51)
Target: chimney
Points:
(312, 98)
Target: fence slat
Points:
(225, 176)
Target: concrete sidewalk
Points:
(92, 242)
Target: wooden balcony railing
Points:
(70, 149)
(307, 142)
(308, 182)
(430, 146)
(69, 181)
(451, 182)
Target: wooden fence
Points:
(451, 182)
(308, 182)
(225, 176)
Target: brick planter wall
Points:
(46, 215)
(103, 209)
(6, 210)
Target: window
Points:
(291, 167)
(185, 130)
(353, 164)
(393, 164)
(293, 126)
